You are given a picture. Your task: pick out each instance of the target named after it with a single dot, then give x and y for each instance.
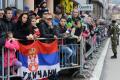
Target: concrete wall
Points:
(11, 3)
(106, 12)
(29, 3)
(50, 5)
(20, 4)
(97, 10)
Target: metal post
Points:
(8, 64)
(77, 53)
(92, 42)
(81, 55)
(3, 63)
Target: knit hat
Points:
(26, 8)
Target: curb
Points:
(99, 66)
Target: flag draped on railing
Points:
(39, 60)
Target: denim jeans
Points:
(74, 55)
(67, 51)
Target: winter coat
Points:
(12, 46)
(55, 22)
(60, 31)
(45, 30)
(21, 31)
(5, 26)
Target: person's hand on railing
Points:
(30, 37)
(55, 37)
(79, 38)
(65, 35)
(10, 37)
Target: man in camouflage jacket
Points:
(113, 33)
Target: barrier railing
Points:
(77, 59)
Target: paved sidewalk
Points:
(111, 70)
(96, 75)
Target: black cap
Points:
(44, 1)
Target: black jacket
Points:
(21, 31)
(5, 26)
(59, 31)
(45, 30)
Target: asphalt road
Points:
(111, 69)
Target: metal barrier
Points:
(73, 60)
(78, 59)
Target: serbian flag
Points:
(39, 60)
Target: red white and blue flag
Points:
(39, 60)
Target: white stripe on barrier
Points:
(99, 66)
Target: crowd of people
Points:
(27, 26)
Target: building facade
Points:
(100, 7)
(97, 8)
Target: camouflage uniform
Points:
(118, 33)
(114, 38)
